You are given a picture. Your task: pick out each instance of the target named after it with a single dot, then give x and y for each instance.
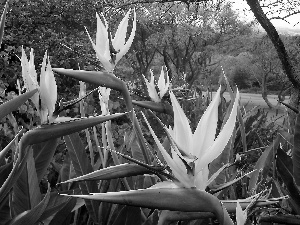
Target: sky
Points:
(240, 5)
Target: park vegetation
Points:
(108, 116)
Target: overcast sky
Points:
(240, 5)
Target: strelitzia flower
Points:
(162, 84)
(110, 51)
(192, 153)
(47, 89)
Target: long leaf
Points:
(62, 215)
(284, 165)
(5, 211)
(113, 172)
(152, 219)
(82, 167)
(15, 103)
(230, 205)
(99, 78)
(56, 203)
(13, 176)
(26, 192)
(296, 152)
(178, 199)
(50, 132)
(263, 164)
(129, 216)
(167, 216)
(4, 172)
(32, 216)
(155, 106)
(7, 147)
(2, 21)
(43, 154)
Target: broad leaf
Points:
(264, 162)
(5, 211)
(152, 219)
(32, 216)
(26, 192)
(129, 216)
(14, 175)
(43, 154)
(62, 215)
(82, 167)
(284, 165)
(56, 203)
(4, 172)
(7, 147)
(167, 217)
(15, 103)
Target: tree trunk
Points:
(287, 66)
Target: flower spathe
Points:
(107, 56)
(162, 84)
(201, 148)
(47, 89)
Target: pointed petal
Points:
(29, 76)
(51, 89)
(221, 141)
(100, 55)
(48, 90)
(119, 38)
(126, 47)
(151, 89)
(102, 42)
(182, 133)
(178, 170)
(205, 132)
(241, 216)
(162, 86)
(32, 71)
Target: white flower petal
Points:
(102, 42)
(48, 90)
(126, 47)
(241, 216)
(100, 55)
(162, 85)
(151, 89)
(119, 39)
(182, 131)
(29, 76)
(205, 132)
(176, 168)
(221, 141)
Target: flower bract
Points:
(162, 84)
(110, 50)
